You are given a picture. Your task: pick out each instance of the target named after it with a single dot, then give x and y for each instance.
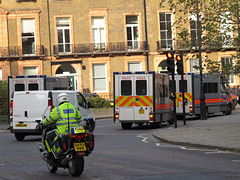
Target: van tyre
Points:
(126, 125)
(19, 136)
(229, 109)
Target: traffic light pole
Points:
(174, 101)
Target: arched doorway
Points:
(69, 71)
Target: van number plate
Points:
(141, 111)
(21, 125)
(80, 146)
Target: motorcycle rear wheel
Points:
(76, 166)
(52, 168)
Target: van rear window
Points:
(32, 86)
(141, 87)
(19, 87)
(126, 88)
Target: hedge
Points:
(98, 102)
(3, 98)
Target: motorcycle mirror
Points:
(38, 121)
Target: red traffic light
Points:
(179, 58)
(169, 55)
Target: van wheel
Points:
(126, 125)
(155, 125)
(229, 109)
(19, 136)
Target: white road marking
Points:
(237, 161)
(144, 139)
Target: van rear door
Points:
(20, 110)
(28, 107)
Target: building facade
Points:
(89, 41)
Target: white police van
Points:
(27, 107)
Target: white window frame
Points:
(100, 77)
(36, 69)
(166, 31)
(0, 74)
(134, 42)
(231, 77)
(135, 63)
(193, 18)
(99, 42)
(62, 29)
(194, 62)
(25, 37)
(225, 25)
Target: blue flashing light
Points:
(30, 76)
(126, 72)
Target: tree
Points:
(215, 25)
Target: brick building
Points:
(88, 41)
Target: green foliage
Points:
(4, 98)
(98, 102)
(211, 16)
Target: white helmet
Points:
(63, 97)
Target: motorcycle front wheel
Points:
(52, 168)
(76, 166)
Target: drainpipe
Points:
(146, 32)
(49, 30)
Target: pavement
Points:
(219, 132)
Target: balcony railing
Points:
(213, 44)
(18, 51)
(93, 48)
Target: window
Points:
(226, 29)
(98, 33)
(0, 74)
(183, 85)
(166, 35)
(33, 86)
(194, 29)
(194, 63)
(19, 87)
(134, 66)
(28, 36)
(133, 39)
(63, 35)
(210, 87)
(227, 65)
(25, 1)
(99, 78)
(141, 87)
(30, 71)
(126, 88)
(81, 101)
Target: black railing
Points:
(91, 48)
(212, 44)
(17, 51)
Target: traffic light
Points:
(170, 62)
(179, 64)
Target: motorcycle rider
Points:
(65, 115)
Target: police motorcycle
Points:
(67, 150)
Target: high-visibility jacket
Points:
(64, 115)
